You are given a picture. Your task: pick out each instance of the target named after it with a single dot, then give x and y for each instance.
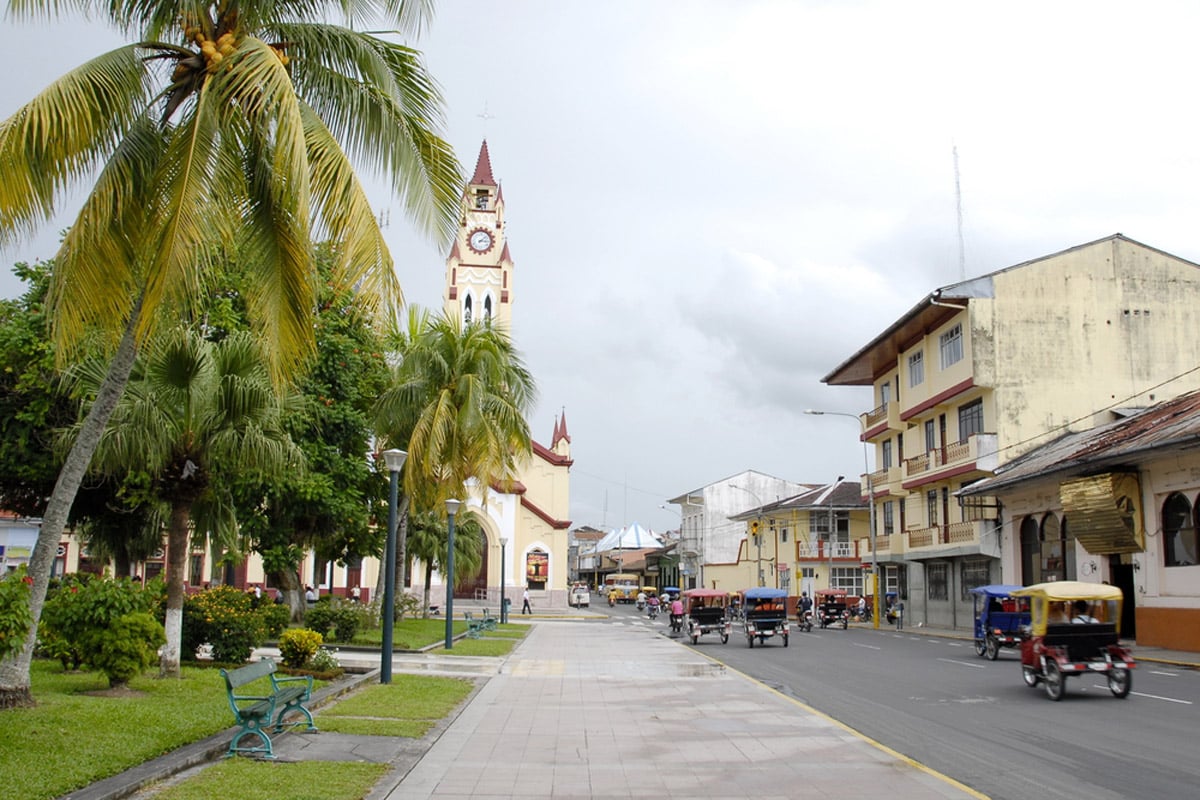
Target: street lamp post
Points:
(394, 459)
(503, 588)
(451, 510)
(870, 508)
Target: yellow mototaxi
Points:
(1074, 630)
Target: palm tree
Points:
(457, 404)
(194, 415)
(430, 540)
(225, 126)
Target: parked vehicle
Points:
(831, 608)
(1000, 618)
(765, 614)
(706, 614)
(581, 596)
(1084, 642)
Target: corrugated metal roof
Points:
(1173, 424)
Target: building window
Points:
(481, 199)
(818, 522)
(487, 310)
(975, 572)
(931, 506)
(885, 394)
(1179, 532)
(467, 306)
(930, 436)
(808, 572)
(970, 420)
(887, 454)
(889, 518)
(783, 535)
(951, 347)
(848, 578)
(937, 576)
(916, 369)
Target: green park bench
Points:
(475, 627)
(255, 712)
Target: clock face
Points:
(480, 240)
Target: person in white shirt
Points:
(1081, 614)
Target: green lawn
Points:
(73, 738)
(409, 634)
(409, 706)
(245, 779)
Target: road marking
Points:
(1156, 697)
(954, 644)
(962, 663)
(868, 646)
(1164, 672)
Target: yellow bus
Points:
(622, 587)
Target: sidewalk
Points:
(600, 711)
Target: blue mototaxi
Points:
(1001, 620)
(765, 614)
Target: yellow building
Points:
(981, 371)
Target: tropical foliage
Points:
(226, 126)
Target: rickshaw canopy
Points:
(1043, 594)
(997, 590)
(1070, 590)
(764, 593)
(701, 592)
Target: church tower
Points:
(479, 268)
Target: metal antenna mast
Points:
(962, 249)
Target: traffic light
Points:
(754, 528)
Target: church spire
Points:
(483, 168)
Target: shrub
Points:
(127, 647)
(275, 618)
(324, 660)
(223, 617)
(87, 620)
(15, 618)
(298, 645)
(336, 619)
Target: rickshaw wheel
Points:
(979, 647)
(1055, 682)
(1120, 681)
(724, 638)
(993, 648)
(1029, 675)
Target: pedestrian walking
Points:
(525, 607)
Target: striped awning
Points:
(1104, 512)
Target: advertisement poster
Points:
(537, 566)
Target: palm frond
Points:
(64, 134)
(382, 105)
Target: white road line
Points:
(1164, 672)
(962, 663)
(954, 644)
(868, 646)
(1156, 697)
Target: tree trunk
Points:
(288, 582)
(428, 578)
(14, 671)
(178, 545)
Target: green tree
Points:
(226, 126)
(457, 404)
(194, 415)
(328, 507)
(429, 541)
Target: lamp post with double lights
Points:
(451, 510)
(870, 508)
(394, 459)
(503, 588)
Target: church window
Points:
(467, 310)
(487, 310)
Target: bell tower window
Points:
(481, 199)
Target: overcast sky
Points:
(713, 204)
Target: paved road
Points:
(934, 700)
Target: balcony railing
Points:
(876, 415)
(815, 551)
(979, 447)
(956, 535)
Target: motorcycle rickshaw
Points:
(765, 614)
(1074, 631)
(1000, 618)
(831, 608)
(706, 613)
